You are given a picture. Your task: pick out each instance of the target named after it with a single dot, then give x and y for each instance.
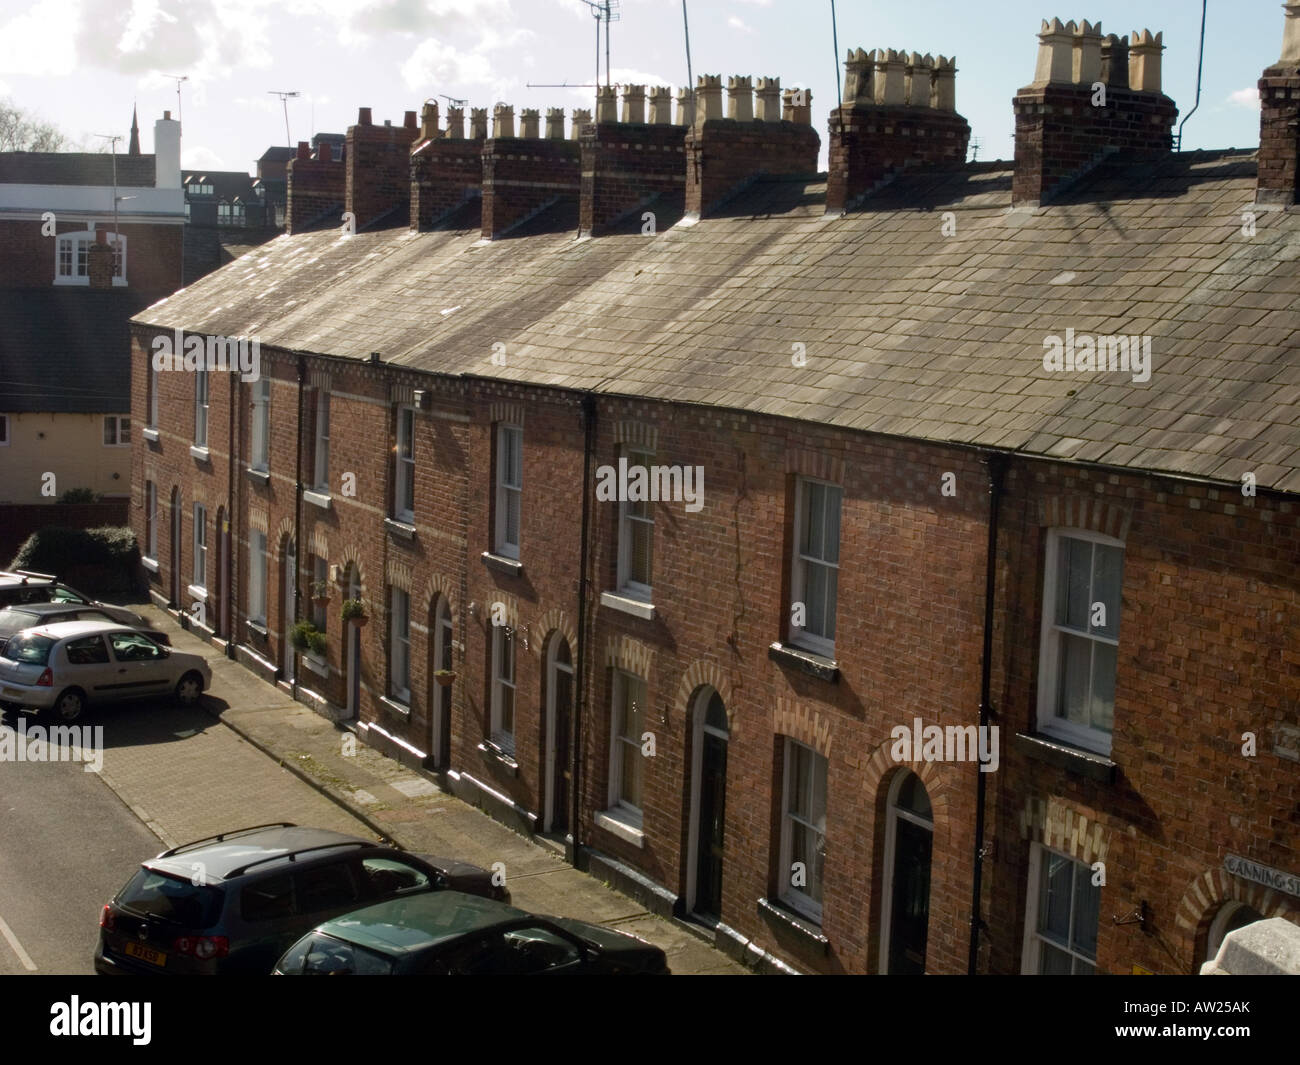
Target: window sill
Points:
(493, 753)
(151, 564)
(635, 607)
(200, 454)
(1063, 755)
(778, 913)
(510, 566)
(197, 592)
(612, 821)
(257, 629)
(400, 529)
(814, 665)
(317, 498)
(319, 666)
(395, 706)
(260, 476)
(150, 435)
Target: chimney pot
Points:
(891, 77)
(708, 94)
(606, 104)
(529, 121)
(943, 84)
(661, 106)
(456, 123)
(167, 116)
(797, 106)
(304, 150)
(1144, 61)
(1114, 61)
(767, 94)
(325, 153)
(1055, 54)
(859, 77)
(429, 120)
(634, 103)
(555, 123)
(478, 123)
(1291, 32)
(503, 121)
(740, 98)
(363, 117)
(581, 116)
(409, 122)
(685, 107)
(919, 73)
(1085, 64)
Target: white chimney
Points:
(167, 152)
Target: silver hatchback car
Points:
(60, 668)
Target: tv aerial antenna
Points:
(285, 97)
(605, 11)
(178, 78)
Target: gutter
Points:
(996, 467)
(580, 686)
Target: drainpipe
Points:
(297, 521)
(580, 686)
(996, 467)
(227, 536)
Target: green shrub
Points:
(307, 637)
(96, 561)
(80, 495)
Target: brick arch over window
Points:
(1079, 512)
(283, 534)
(701, 674)
(810, 727)
(439, 585)
(880, 770)
(816, 464)
(399, 575)
(352, 557)
(626, 653)
(1059, 826)
(554, 620)
(1209, 891)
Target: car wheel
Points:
(189, 688)
(69, 706)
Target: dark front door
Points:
(910, 916)
(713, 797)
(562, 770)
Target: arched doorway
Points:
(176, 548)
(905, 910)
(559, 716)
(708, 803)
(1231, 916)
(352, 644)
(440, 648)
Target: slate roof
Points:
(908, 332)
(75, 168)
(67, 349)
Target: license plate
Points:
(153, 957)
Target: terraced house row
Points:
(895, 520)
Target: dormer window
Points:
(230, 214)
(72, 258)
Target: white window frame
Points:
(321, 450)
(626, 687)
(799, 563)
(202, 406)
(117, 429)
(1049, 659)
(257, 577)
(404, 466)
(627, 520)
(153, 395)
(798, 898)
(77, 245)
(1031, 955)
(505, 490)
(261, 431)
(150, 521)
(399, 646)
(504, 666)
(200, 546)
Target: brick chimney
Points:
(723, 155)
(626, 165)
(316, 186)
(1063, 128)
(1279, 118)
(378, 166)
(99, 260)
(899, 110)
(526, 174)
(447, 171)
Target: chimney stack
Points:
(316, 187)
(627, 165)
(899, 110)
(524, 175)
(378, 167)
(99, 261)
(723, 155)
(1279, 118)
(167, 153)
(447, 172)
(1064, 127)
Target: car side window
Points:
(87, 651)
(386, 877)
(132, 647)
(61, 594)
(267, 900)
(534, 950)
(322, 955)
(324, 887)
(468, 957)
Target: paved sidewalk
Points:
(403, 805)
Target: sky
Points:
(82, 64)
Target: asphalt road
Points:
(67, 844)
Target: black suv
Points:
(14, 619)
(233, 903)
(23, 587)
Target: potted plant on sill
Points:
(307, 637)
(320, 592)
(354, 611)
(444, 676)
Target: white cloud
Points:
(738, 24)
(1247, 98)
(36, 41)
(199, 157)
(435, 65)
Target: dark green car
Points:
(453, 934)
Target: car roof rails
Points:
(26, 574)
(220, 836)
(293, 856)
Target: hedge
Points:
(97, 561)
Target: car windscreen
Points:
(13, 620)
(172, 898)
(30, 648)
